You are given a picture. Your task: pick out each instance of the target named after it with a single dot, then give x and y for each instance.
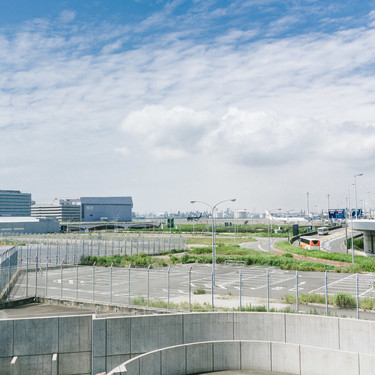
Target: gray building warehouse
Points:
(15, 203)
(20, 225)
(118, 209)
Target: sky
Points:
(264, 101)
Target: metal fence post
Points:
(129, 284)
(148, 286)
(77, 281)
(168, 285)
(61, 280)
(357, 292)
(190, 289)
(240, 289)
(56, 253)
(326, 291)
(212, 291)
(74, 247)
(36, 274)
(93, 282)
(9, 272)
(268, 290)
(110, 301)
(46, 288)
(297, 304)
(27, 270)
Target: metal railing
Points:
(191, 288)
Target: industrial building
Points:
(19, 225)
(14, 203)
(117, 209)
(64, 210)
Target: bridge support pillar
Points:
(369, 242)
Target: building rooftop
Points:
(19, 219)
(107, 200)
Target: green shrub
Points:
(367, 304)
(261, 308)
(199, 291)
(344, 300)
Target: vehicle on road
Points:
(323, 231)
(309, 243)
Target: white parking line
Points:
(330, 284)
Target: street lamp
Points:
(269, 219)
(355, 190)
(213, 231)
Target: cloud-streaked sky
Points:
(170, 101)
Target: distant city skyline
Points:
(168, 102)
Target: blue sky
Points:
(171, 101)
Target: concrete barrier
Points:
(87, 344)
(247, 355)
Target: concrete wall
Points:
(85, 344)
(247, 355)
(34, 341)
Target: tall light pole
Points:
(213, 231)
(269, 220)
(308, 207)
(351, 222)
(355, 191)
(328, 208)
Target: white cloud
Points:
(157, 107)
(164, 132)
(67, 16)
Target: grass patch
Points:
(219, 241)
(344, 300)
(255, 258)
(137, 260)
(160, 304)
(199, 291)
(361, 263)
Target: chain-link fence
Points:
(8, 268)
(57, 249)
(187, 287)
(38, 252)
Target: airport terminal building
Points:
(65, 210)
(117, 209)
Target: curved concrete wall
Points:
(85, 344)
(247, 355)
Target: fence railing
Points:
(193, 288)
(55, 250)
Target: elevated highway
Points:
(368, 228)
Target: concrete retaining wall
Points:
(35, 341)
(247, 355)
(85, 344)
